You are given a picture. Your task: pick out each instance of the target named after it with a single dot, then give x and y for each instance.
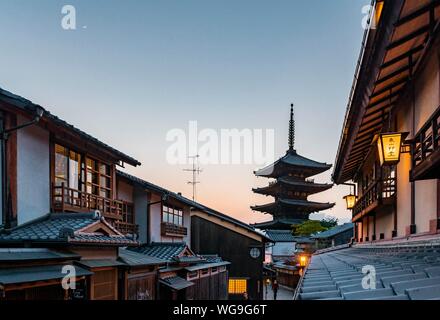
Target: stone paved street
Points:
(283, 293)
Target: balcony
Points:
(173, 230)
(379, 194)
(126, 227)
(116, 211)
(426, 150)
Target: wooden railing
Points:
(126, 227)
(374, 194)
(67, 199)
(169, 229)
(426, 141)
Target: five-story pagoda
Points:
(291, 187)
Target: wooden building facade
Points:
(215, 233)
(396, 90)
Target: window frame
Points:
(175, 212)
(83, 177)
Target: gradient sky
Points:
(133, 70)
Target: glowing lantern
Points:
(302, 261)
(350, 200)
(388, 147)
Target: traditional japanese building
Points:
(389, 148)
(291, 187)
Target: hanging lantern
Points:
(350, 200)
(389, 147)
(302, 260)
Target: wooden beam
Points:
(409, 36)
(392, 74)
(417, 13)
(390, 87)
(403, 56)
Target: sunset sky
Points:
(134, 70)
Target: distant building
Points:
(291, 188)
(335, 236)
(213, 232)
(283, 248)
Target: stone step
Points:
(318, 288)
(400, 287)
(386, 281)
(424, 293)
(366, 294)
(320, 295)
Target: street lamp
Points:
(4, 135)
(351, 198)
(350, 201)
(389, 147)
(302, 261)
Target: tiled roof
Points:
(211, 258)
(293, 159)
(99, 263)
(176, 283)
(40, 273)
(29, 106)
(162, 250)
(280, 235)
(135, 259)
(334, 231)
(34, 254)
(403, 272)
(63, 228)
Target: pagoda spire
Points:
(291, 130)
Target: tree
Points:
(313, 226)
(308, 227)
(329, 222)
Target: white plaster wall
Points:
(364, 228)
(156, 216)
(125, 191)
(426, 204)
(384, 224)
(427, 91)
(427, 101)
(371, 229)
(33, 173)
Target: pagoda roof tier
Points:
(297, 206)
(292, 184)
(278, 224)
(295, 164)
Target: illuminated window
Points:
(237, 286)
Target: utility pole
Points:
(195, 172)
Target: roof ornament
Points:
(291, 130)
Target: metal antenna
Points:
(195, 171)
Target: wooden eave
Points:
(391, 57)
